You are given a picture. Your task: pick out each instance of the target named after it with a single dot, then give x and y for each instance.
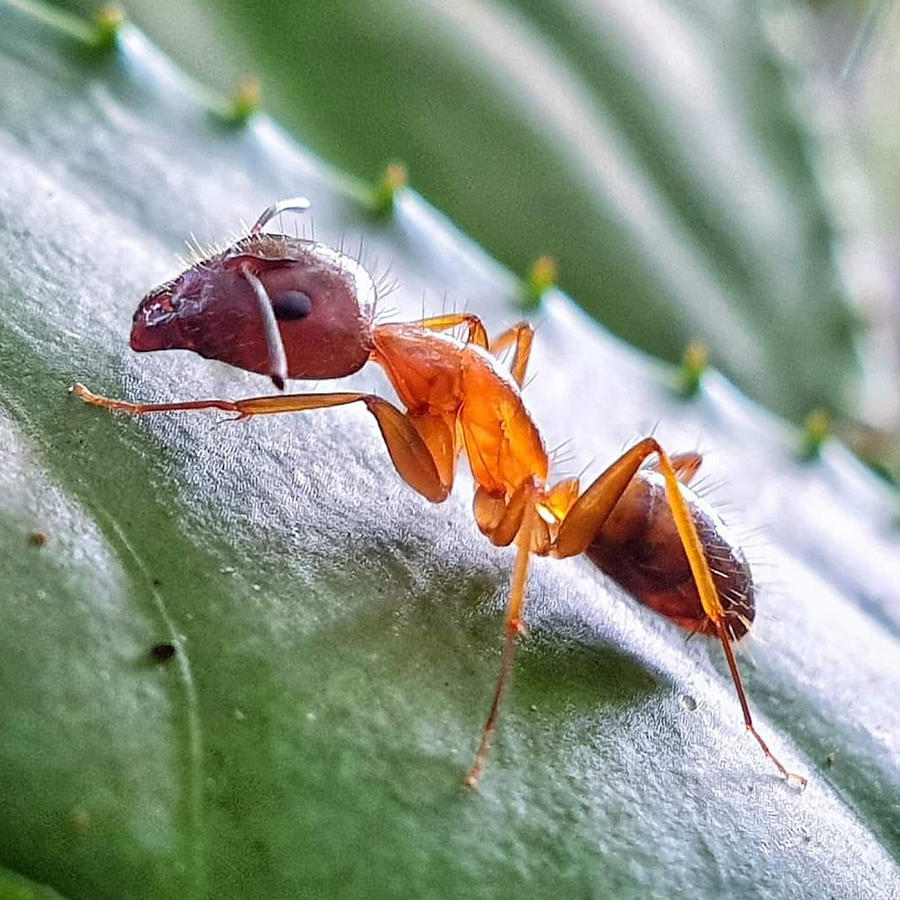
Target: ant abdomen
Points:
(639, 548)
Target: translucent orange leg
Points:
(513, 626)
(522, 335)
(686, 465)
(411, 457)
(591, 510)
(477, 331)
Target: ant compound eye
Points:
(291, 305)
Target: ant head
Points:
(272, 304)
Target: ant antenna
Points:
(292, 204)
(277, 359)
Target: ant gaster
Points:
(289, 307)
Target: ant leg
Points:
(686, 465)
(593, 507)
(745, 706)
(412, 459)
(439, 437)
(477, 332)
(522, 335)
(498, 518)
(513, 627)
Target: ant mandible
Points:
(295, 308)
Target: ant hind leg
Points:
(593, 507)
(686, 465)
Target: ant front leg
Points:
(589, 513)
(412, 459)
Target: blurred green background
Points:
(698, 170)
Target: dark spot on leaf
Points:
(163, 651)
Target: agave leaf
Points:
(337, 637)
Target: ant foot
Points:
(800, 781)
(473, 776)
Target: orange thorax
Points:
(459, 395)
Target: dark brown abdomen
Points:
(639, 548)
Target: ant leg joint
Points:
(79, 390)
(801, 780)
(517, 627)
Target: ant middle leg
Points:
(519, 522)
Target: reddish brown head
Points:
(322, 302)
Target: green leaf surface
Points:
(15, 887)
(662, 152)
(338, 637)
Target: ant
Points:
(290, 307)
